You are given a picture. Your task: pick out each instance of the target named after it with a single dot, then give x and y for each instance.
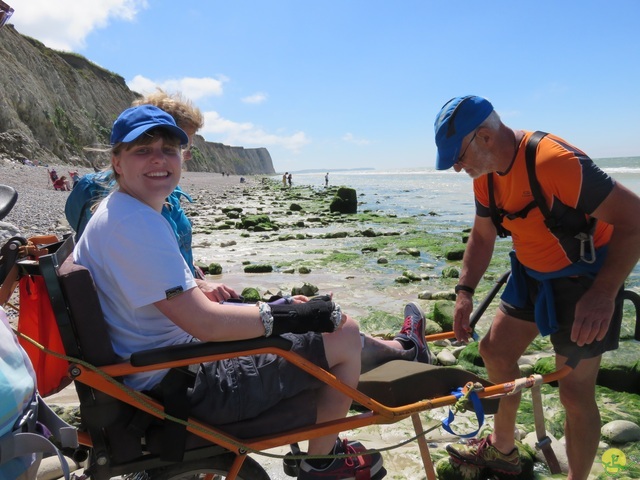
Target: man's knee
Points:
(576, 396)
(497, 354)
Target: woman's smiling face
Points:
(149, 170)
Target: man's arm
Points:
(595, 308)
(476, 259)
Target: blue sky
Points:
(357, 83)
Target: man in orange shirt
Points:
(562, 286)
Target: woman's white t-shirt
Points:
(134, 259)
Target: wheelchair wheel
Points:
(215, 468)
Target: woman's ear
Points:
(115, 164)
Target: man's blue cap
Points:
(458, 118)
(135, 121)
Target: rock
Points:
(451, 272)
(426, 295)
(621, 431)
(446, 358)
(558, 448)
(383, 260)
(258, 269)
(431, 327)
(230, 243)
(619, 377)
(304, 270)
(412, 276)
(307, 289)
(454, 254)
(214, 269)
(51, 469)
(295, 207)
(251, 295)
(443, 314)
(471, 355)
(345, 201)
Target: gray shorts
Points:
(567, 291)
(241, 388)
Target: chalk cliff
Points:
(54, 104)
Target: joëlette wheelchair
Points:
(124, 431)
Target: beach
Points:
(373, 262)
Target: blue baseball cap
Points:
(458, 117)
(135, 121)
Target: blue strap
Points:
(516, 291)
(477, 406)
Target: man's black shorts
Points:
(567, 291)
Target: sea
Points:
(446, 193)
(436, 196)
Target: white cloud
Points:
(65, 24)
(247, 134)
(256, 98)
(350, 138)
(192, 88)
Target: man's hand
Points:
(216, 292)
(592, 318)
(461, 315)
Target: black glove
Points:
(317, 315)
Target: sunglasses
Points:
(5, 13)
(461, 157)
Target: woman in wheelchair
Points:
(149, 298)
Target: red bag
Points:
(38, 322)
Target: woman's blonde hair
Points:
(183, 111)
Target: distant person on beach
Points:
(289, 178)
(284, 179)
(150, 299)
(75, 177)
(326, 180)
(584, 273)
(61, 184)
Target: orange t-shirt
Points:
(568, 178)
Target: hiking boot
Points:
(412, 333)
(481, 453)
(348, 468)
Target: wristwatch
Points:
(464, 288)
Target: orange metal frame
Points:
(377, 414)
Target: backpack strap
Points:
(536, 190)
(496, 214)
(585, 235)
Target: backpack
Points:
(571, 223)
(87, 191)
(36, 319)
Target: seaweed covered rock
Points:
(443, 314)
(257, 223)
(251, 295)
(258, 269)
(307, 289)
(345, 201)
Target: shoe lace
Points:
(481, 444)
(348, 449)
(409, 326)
